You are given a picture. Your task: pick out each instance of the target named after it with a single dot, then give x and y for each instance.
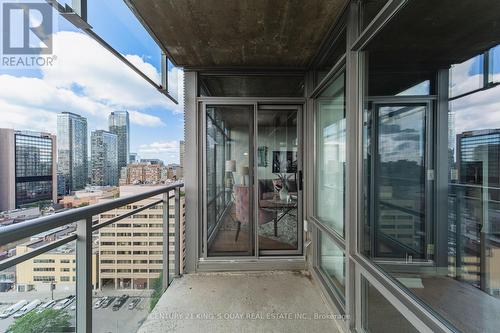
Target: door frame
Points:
(294, 258)
(429, 103)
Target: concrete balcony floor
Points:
(241, 302)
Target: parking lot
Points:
(126, 318)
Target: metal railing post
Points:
(177, 231)
(166, 209)
(84, 276)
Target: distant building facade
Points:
(104, 156)
(28, 175)
(133, 158)
(119, 124)
(56, 267)
(72, 150)
(89, 196)
(141, 174)
(131, 250)
(152, 161)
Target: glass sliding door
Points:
(228, 198)
(253, 180)
(279, 176)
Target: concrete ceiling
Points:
(240, 33)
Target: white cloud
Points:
(103, 82)
(160, 147)
(144, 119)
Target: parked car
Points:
(98, 303)
(62, 304)
(13, 309)
(108, 301)
(27, 308)
(133, 303)
(46, 305)
(119, 302)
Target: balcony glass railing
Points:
(103, 265)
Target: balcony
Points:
(251, 301)
(247, 302)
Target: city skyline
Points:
(93, 86)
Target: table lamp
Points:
(244, 172)
(230, 168)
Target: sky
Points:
(88, 80)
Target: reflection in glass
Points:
(332, 263)
(436, 233)
(379, 315)
(494, 66)
(228, 190)
(466, 76)
(331, 155)
(278, 179)
(173, 80)
(399, 211)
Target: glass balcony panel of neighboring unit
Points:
(114, 22)
(332, 263)
(331, 155)
(379, 315)
(40, 291)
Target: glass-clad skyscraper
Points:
(27, 169)
(119, 124)
(104, 156)
(72, 150)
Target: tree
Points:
(157, 286)
(47, 321)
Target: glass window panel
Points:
(494, 64)
(173, 80)
(431, 248)
(332, 263)
(379, 315)
(466, 76)
(115, 23)
(331, 155)
(251, 85)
